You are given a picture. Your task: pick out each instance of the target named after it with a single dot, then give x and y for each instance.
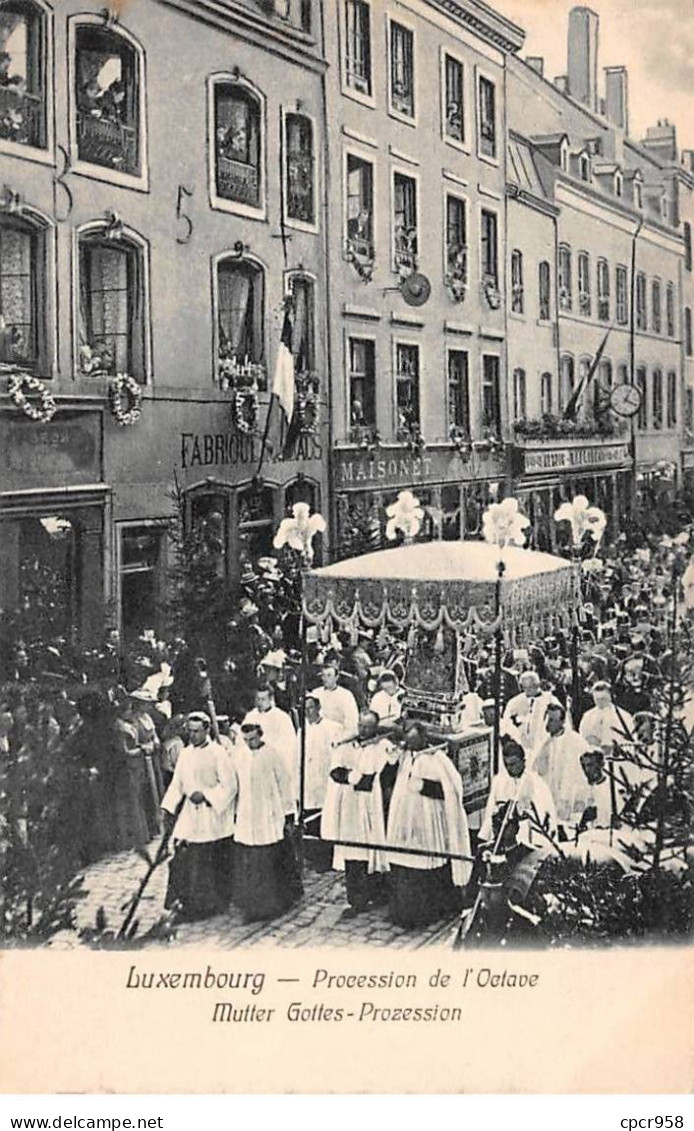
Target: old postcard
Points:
(346, 546)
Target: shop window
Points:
(491, 394)
(240, 320)
(209, 519)
(519, 394)
(486, 95)
(256, 523)
(490, 248)
(584, 303)
(22, 73)
(303, 325)
(657, 392)
(641, 308)
(671, 399)
(567, 381)
(42, 571)
(300, 186)
(458, 391)
(108, 99)
(642, 386)
(111, 306)
(622, 295)
(546, 398)
(238, 140)
(401, 70)
(670, 309)
(359, 236)
(544, 279)
(358, 46)
(406, 390)
(603, 290)
(454, 102)
(362, 386)
(564, 277)
(405, 235)
(656, 312)
(21, 253)
(517, 292)
(141, 578)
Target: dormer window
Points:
(22, 74)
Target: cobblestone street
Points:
(315, 921)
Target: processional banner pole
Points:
(498, 640)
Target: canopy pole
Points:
(498, 638)
(302, 736)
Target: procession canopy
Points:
(429, 584)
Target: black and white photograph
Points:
(346, 475)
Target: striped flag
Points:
(571, 410)
(283, 383)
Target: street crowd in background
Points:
(135, 741)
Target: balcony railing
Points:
(102, 141)
(21, 116)
(238, 181)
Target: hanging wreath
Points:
(21, 384)
(244, 409)
(307, 403)
(123, 390)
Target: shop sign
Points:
(398, 468)
(574, 458)
(230, 449)
(66, 450)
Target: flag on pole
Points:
(571, 409)
(281, 408)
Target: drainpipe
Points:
(632, 363)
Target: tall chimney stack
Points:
(661, 142)
(617, 97)
(583, 57)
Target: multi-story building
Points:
(416, 111)
(578, 182)
(155, 217)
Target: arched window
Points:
(546, 393)
(603, 290)
(545, 290)
(584, 283)
(303, 323)
(22, 289)
(23, 73)
(240, 291)
(300, 170)
(256, 526)
(519, 397)
(567, 380)
(238, 133)
(112, 305)
(108, 99)
(657, 398)
(672, 399)
(565, 277)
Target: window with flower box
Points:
(108, 99)
(670, 309)
(458, 391)
(642, 386)
(486, 102)
(456, 242)
(491, 394)
(565, 289)
(111, 317)
(622, 295)
(23, 73)
(238, 146)
(358, 46)
(453, 98)
(406, 391)
(584, 303)
(657, 401)
(405, 235)
(402, 79)
(672, 399)
(603, 290)
(490, 248)
(656, 307)
(361, 381)
(300, 160)
(22, 253)
(544, 279)
(641, 306)
(359, 237)
(517, 291)
(240, 323)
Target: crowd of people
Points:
(156, 742)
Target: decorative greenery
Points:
(307, 386)
(124, 388)
(549, 426)
(19, 385)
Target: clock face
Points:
(625, 400)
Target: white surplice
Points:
(558, 763)
(340, 706)
(357, 815)
(265, 793)
(278, 732)
(528, 716)
(320, 739)
(532, 796)
(429, 823)
(387, 707)
(202, 769)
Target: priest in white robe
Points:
(278, 731)
(558, 762)
(354, 812)
(533, 803)
(320, 737)
(337, 703)
(266, 874)
(427, 813)
(526, 711)
(387, 700)
(201, 797)
(606, 724)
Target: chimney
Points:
(583, 57)
(617, 97)
(561, 82)
(661, 142)
(537, 64)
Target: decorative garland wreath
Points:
(307, 403)
(22, 383)
(124, 387)
(244, 408)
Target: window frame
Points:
(546, 401)
(499, 393)
(142, 247)
(412, 175)
(291, 222)
(544, 264)
(621, 305)
(137, 181)
(520, 394)
(360, 336)
(657, 399)
(480, 75)
(641, 382)
(517, 283)
(448, 193)
(585, 295)
(670, 310)
(162, 528)
(367, 99)
(259, 267)
(671, 406)
(367, 159)
(484, 276)
(687, 332)
(290, 277)
(220, 203)
(41, 154)
(401, 115)
(656, 306)
(603, 289)
(465, 391)
(567, 364)
(641, 312)
(41, 229)
(407, 343)
(462, 144)
(565, 305)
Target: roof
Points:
(521, 168)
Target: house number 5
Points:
(182, 215)
(60, 182)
